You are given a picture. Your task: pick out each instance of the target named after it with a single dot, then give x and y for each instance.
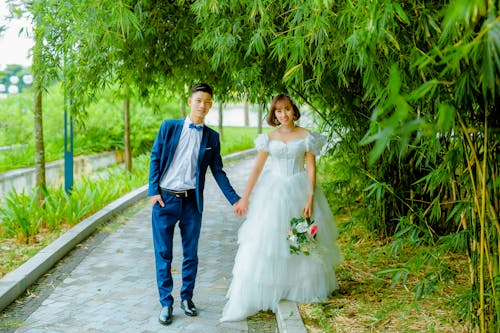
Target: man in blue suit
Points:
(181, 154)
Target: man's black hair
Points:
(202, 87)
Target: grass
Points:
(13, 254)
(261, 322)
(236, 139)
(368, 301)
(385, 285)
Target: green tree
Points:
(137, 48)
(412, 81)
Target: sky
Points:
(14, 48)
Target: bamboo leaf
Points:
(394, 81)
(291, 70)
(445, 117)
(424, 89)
(381, 144)
(401, 13)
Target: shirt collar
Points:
(188, 121)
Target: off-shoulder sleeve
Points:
(262, 142)
(314, 142)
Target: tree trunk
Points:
(40, 182)
(247, 114)
(183, 108)
(221, 118)
(126, 135)
(261, 112)
(39, 148)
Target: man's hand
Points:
(157, 198)
(240, 207)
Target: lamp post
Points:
(68, 142)
(68, 149)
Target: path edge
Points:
(15, 283)
(288, 318)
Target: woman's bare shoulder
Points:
(273, 135)
(302, 132)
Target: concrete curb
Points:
(289, 319)
(239, 155)
(16, 282)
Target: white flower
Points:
(302, 227)
(301, 235)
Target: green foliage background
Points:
(99, 129)
(410, 88)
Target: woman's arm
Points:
(311, 173)
(260, 161)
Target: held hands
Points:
(157, 198)
(240, 208)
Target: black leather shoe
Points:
(188, 306)
(165, 317)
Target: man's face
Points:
(200, 103)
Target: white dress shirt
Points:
(181, 174)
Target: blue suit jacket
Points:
(163, 152)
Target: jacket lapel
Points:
(175, 136)
(203, 146)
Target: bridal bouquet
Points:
(302, 235)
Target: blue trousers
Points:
(185, 212)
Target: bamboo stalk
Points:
(478, 205)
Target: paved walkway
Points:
(113, 288)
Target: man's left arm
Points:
(216, 166)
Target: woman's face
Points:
(284, 112)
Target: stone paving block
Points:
(234, 326)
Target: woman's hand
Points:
(308, 209)
(240, 208)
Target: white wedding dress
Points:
(264, 271)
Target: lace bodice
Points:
(288, 158)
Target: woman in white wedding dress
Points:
(265, 271)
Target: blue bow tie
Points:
(198, 127)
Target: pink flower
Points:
(313, 229)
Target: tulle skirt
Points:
(265, 271)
